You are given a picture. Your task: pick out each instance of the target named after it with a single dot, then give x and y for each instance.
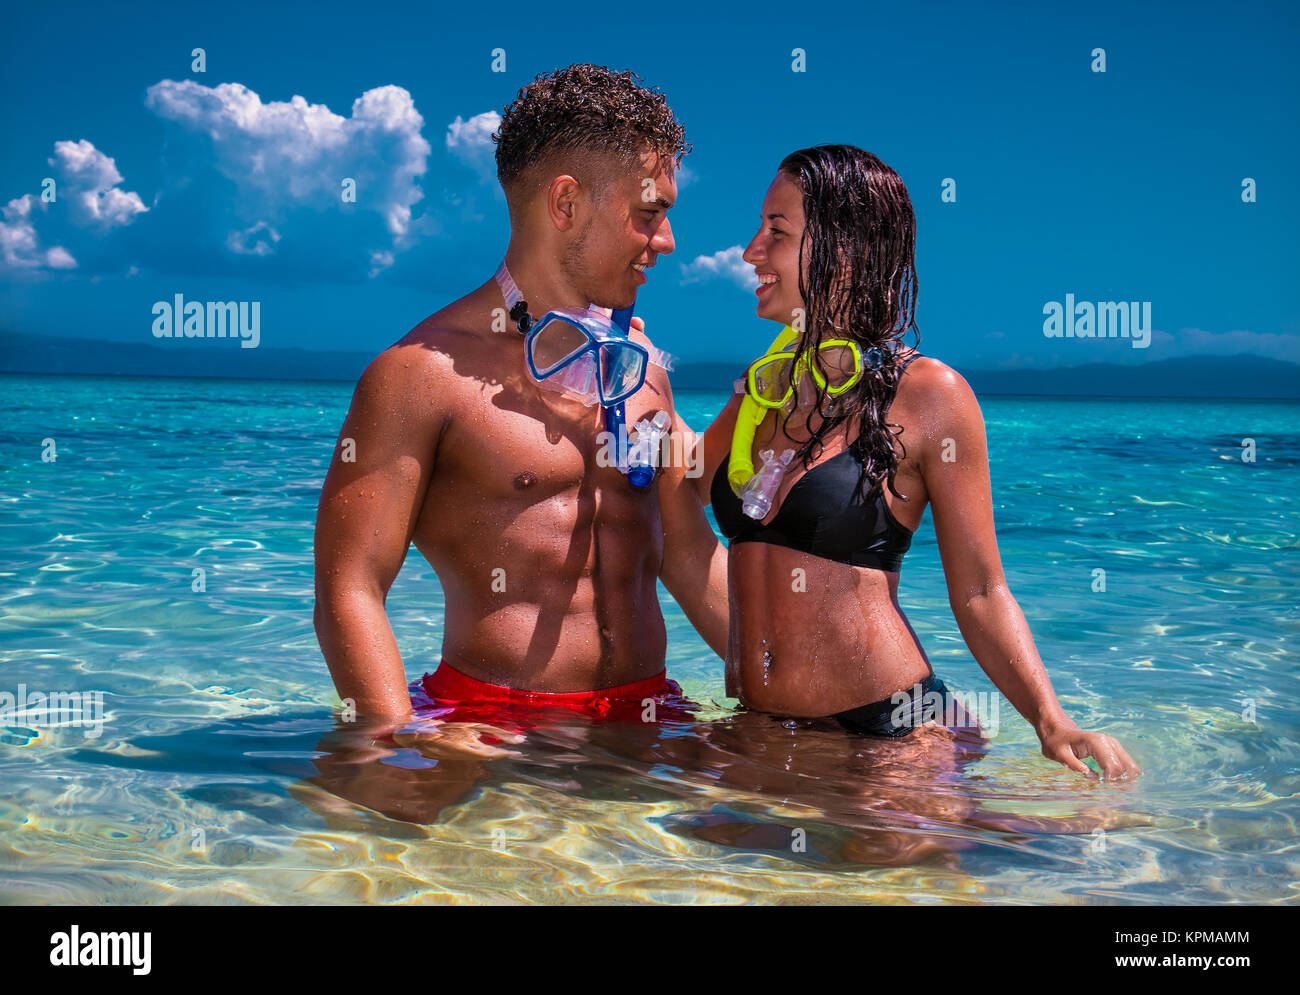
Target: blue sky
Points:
(1123, 185)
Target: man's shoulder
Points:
(416, 373)
(431, 348)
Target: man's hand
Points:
(442, 738)
(1066, 743)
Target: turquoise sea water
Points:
(220, 774)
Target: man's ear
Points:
(561, 196)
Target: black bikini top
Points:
(823, 515)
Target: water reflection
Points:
(806, 791)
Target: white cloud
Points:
(380, 260)
(87, 180)
(726, 264)
(19, 244)
(256, 240)
(284, 155)
(59, 258)
(471, 142)
(87, 199)
(258, 187)
(1199, 342)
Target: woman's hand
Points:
(1066, 743)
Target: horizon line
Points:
(676, 390)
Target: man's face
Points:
(624, 234)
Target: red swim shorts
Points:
(456, 697)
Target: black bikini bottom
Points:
(897, 716)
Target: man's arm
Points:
(367, 514)
(714, 447)
(694, 567)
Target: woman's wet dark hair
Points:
(861, 284)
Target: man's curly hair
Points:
(586, 120)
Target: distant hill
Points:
(1241, 376)
(185, 358)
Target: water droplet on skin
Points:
(767, 665)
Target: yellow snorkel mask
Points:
(770, 384)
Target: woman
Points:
(877, 432)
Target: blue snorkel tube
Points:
(616, 416)
(639, 463)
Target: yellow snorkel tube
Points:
(740, 467)
(770, 384)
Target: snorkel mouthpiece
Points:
(642, 462)
(643, 459)
(756, 497)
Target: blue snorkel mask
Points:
(585, 354)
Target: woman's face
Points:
(774, 252)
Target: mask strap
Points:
(660, 358)
(518, 308)
(514, 299)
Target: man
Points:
(548, 556)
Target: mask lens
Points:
(579, 378)
(840, 364)
(770, 379)
(622, 371)
(551, 344)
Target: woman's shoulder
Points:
(935, 391)
(930, 379)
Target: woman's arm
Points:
(955, 466)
